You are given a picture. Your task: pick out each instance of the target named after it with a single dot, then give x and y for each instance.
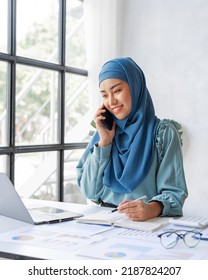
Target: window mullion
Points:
(12, 86)
(62, 29)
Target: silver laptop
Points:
(12, 206)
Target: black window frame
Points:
(13, 60)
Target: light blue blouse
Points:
(165, 181)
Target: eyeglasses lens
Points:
(169, 239)
(191, 239)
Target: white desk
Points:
(51, 249)
(24, 251)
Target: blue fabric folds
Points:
(133, 146)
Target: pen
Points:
(140, 198)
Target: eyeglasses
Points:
(169, 239)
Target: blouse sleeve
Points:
(170, 180)
(90, 171)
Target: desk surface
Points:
(71, 240)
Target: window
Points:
(44, 98)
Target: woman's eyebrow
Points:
(112, 87)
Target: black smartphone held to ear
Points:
(108, 121)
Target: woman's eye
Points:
(117, 91)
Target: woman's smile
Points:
(116, 110)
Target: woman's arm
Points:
(90, 171)
(170, 180)
(91, 166)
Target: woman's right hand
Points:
(106, 135)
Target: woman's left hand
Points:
(137, 210)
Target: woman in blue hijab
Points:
(140, 155)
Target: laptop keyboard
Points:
(39, 216)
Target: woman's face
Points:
(116, 97)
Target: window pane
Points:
(77, 121)
(71, 190)
(3, 105)
(36, 105)
(36, 176)
(37, 29)
(75, 35)
(3, 25)
(4, 164)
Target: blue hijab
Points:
(133, 146)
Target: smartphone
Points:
(108, 121)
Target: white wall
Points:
(169, 40)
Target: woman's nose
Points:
(112, 100)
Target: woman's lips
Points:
(116, 109)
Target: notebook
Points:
(117, 219)
(12, 206)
